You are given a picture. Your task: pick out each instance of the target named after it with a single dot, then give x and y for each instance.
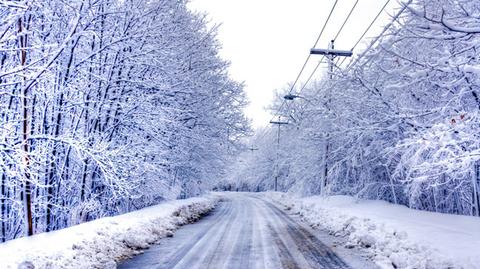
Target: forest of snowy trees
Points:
(400, 123)
(108, 106)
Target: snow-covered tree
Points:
(400, 123)
(108, 106)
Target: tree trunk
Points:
(476, 191)
(27, 196)
(3, 201)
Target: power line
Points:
(368, 29)
(346, 20)
(308, 57)
(314, 45)
(311, 74)
(336, 36)
(356, 43)
(354, 62)
(371, 24)
(378, 37)
(325, 25)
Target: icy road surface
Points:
(243, 232)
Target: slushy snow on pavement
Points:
(396, 236)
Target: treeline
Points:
(401, 123)
(108, 106)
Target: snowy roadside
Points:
(102, 243)
(396, 236)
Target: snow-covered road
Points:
(244, 231)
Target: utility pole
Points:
(277, 172)
(331, 53)
(330, 59)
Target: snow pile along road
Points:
(397, 237)
(103, 242)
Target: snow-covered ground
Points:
(397, 237)
(103, 242)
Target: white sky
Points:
(267, 41)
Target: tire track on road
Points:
(199, 238)
(317, 253)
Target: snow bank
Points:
(398, 237)
(103, 242)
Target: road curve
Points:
(243, 232)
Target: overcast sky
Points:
(267, 41)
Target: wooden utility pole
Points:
(277, 172)
(331, 53)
